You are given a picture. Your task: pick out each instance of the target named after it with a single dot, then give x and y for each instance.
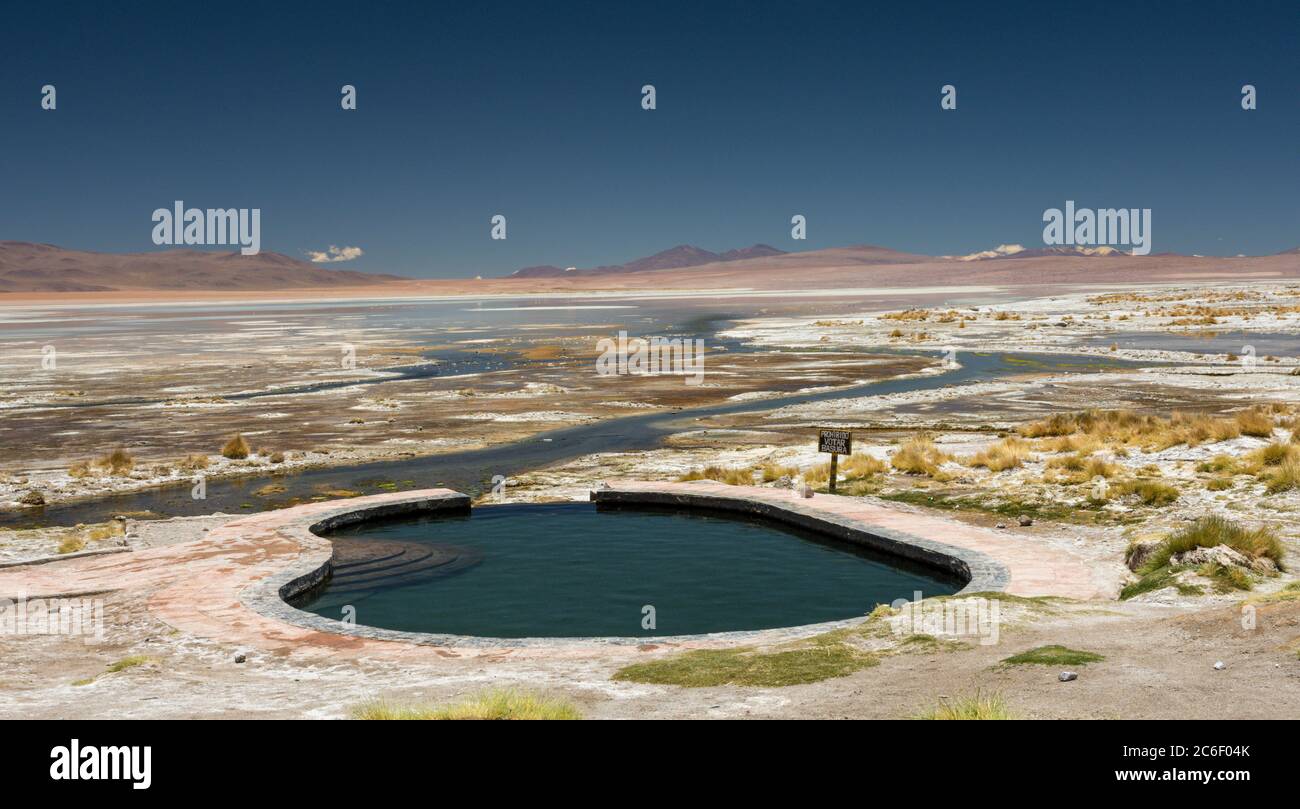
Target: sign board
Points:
(837, 441)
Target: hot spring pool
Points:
(576, 570)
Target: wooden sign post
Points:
(836, 442)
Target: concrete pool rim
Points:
(270, 596)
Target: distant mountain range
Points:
(45, 268)
(1020, 251)
(674, 258)
(28, 267)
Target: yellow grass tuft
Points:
(1009, 453)
(978, 707)
(236, 448)
(1092, 429)
(117, 462)
(497, 704)
(771, 471)
(192, 463)
(732, 477)
(918, 456)
(1255, 421)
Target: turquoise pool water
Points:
(573, 570)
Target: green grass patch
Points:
(1053, 656)
(1158, 579)
(704, 668)
(129, 663)
(125, 663)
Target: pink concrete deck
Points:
(196, 586)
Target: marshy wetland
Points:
(1151, 435)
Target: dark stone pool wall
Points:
(978, 572)
(271, 595)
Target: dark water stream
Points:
(471, 471)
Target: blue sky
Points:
(765, 110)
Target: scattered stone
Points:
(1139, 552)
(1067, 676)
(1225, 556)
(1219, 666)
(241, 658)
(32, 498)
(603, 485)
(805, 491)
(784, 482)
(1001, 526)
(1025, 521)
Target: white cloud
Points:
(334, 254)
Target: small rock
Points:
(32, 498)
(1025, 521)
(784, 482)
(1218, 555)
(603, 485)
(1001, 525)
(1067, 676)
(805, 491)
(1139, 552)
(241, 658)
(1219, 666)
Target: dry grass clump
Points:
(1148, 492)
(1285, 477)
(1119, 428)
(1255, 421)
(192, 463)
(236, 448)
(71, 544)
(498, 704)
(918, 456)
(1274, 454)
(851, 467)
(862, 466)
(1079, 442)
(1079, 468)
(732, 477)
(978, 707)
(910, 314)
(771, 471)
(1219, 463)
(80, 469)
(117, 462)
(1009, 453)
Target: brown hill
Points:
(683, 255)
(871, 267)
(28, 267)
